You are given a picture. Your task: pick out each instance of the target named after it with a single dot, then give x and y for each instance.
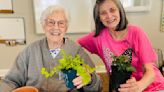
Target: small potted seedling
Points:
(121, 71)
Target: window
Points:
(136, 5)
(80, 11)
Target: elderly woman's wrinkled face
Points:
(109, 14)
(55, 26)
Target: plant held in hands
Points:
(71, 65)
(121, 71)
(122, 63)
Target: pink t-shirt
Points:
(142, 52)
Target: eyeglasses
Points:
(51, 23)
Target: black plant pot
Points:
(117, 78)
(69, 75)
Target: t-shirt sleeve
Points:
(88, 42)
(145, 50)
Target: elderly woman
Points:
(26, 71)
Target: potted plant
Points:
(121, 71)
(71, 66)
(26, 89)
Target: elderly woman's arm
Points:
(96, 84)
(15, 77)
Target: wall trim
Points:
(3, 72)
(100, 69)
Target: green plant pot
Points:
(69, 75)
(117, 78)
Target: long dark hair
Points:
(99, 25)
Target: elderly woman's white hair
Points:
(51, 9)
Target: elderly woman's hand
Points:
(131, 85)
(78, 82)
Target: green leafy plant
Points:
(68, 62)
(121, 71)
(122, 63)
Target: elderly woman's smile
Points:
(55, 33)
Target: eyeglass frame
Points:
(60, 23)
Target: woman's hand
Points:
(78, 82)
(131, 85)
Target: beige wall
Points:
(150, 21)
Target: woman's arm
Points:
(148, 76)
(15, 77)
(96, 84)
